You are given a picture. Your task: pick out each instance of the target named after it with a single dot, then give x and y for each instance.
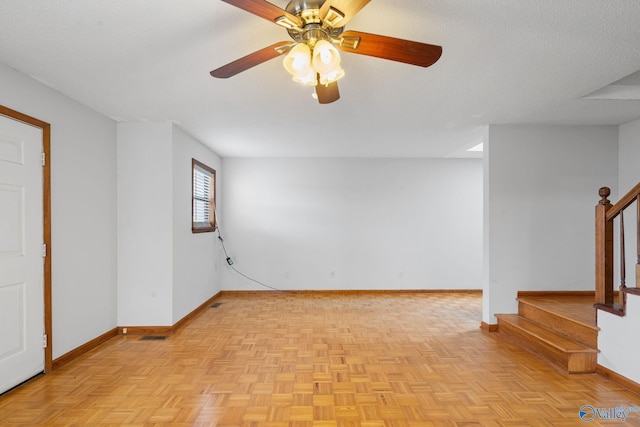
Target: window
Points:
(203, 197)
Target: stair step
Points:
(585, 333)
(571, 355)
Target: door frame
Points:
(46, 219)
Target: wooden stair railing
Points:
(606, 213)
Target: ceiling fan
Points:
(317, 27)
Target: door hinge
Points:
(44, 341)
(44, 161)
(44, 250)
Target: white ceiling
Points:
(503, 61)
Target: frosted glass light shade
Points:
(298, 64)
(306, 79)
(331, 77)
(326, 62)
(326, 57)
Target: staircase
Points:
(560, 327)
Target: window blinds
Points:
(202, 193)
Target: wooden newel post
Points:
(604, 250)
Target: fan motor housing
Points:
(312, 28)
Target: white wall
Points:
(164, 270)
(145, 224)
(83, 214)
(543, 187)
(629, 140)
(354, 223)
(196, 256)
(617, 340)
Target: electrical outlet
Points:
(124, 331)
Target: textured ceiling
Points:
(503, 61)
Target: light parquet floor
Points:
(315, 360)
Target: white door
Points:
(21, 256)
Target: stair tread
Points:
(556, 340)
(544, 305)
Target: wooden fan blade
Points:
(250, 61)
(265, 10)
(327, 94)
(348, 8)
(384, 47)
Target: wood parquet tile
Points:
(315, 360)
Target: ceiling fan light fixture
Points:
(325, 58)
(298, 64)
(317, 28)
